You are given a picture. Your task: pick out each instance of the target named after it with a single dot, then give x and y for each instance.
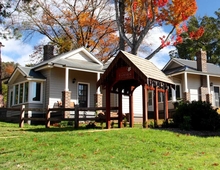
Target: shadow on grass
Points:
(192, 132)
(60, 129)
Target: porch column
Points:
(156, 110)
(209, 95)
(98, 89)
(66, 79)
(120, 109)
(98, 96)
(107, 113)
(185, 83)
(145, 105)
(208, 84)
(131, 109)
(66, 94)
(186, 95)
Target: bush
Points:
(197, 115)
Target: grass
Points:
(34, 147)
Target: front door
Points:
(216, 96)
(83, 95)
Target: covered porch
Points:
(124, 75)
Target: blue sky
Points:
(17, 51)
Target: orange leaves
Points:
(197, 34)
(160, 3)
(178, 11)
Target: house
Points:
(69, 79)
(77, 77)
(194, 80)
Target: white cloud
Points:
(151, 42)
(16, 51)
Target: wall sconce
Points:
(211, 84)
(74, 80)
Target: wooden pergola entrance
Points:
(125, 73)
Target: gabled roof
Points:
(145, 69)
(177, 65)
(78, 59)
(27, 72)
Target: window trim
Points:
(174, 92)
(29, 91)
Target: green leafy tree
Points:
(209, 41)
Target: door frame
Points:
(88, 92)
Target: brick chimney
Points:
(201, 61)
(48, 52)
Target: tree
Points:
(7, 70)
(135, 18)
(71, 25)
(209, 41)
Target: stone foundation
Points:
(66, 97)
(209, 98)
(186, 96)
(203, 91)
(98, 100)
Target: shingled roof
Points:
(182, 65)
(144, 68)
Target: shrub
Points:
(197, 115)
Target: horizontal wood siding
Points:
(46, 87)
(82, 77)
(138, 106)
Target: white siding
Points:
(138, 106)
(137, 99)
(193, 86)
(80, 56)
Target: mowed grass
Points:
(34, 147)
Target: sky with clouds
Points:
(19, 52)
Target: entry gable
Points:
(81, 54)
(133, 71)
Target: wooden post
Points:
(156, 110)
(48, 115)
(22, 114)
(120, 109)
(107, 113)
(131, 109)
(76, 119)
(145, 105)
(166, 112)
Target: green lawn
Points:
(35, 147)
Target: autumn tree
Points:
(209, 41)
(7, 70)
(71, 24)
(135, 18)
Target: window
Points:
(36, 91)
(177, 89)
(16, 94)
(26, 92)
(21, 92)
(160, 97)
(11, 97)
(170, 94)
